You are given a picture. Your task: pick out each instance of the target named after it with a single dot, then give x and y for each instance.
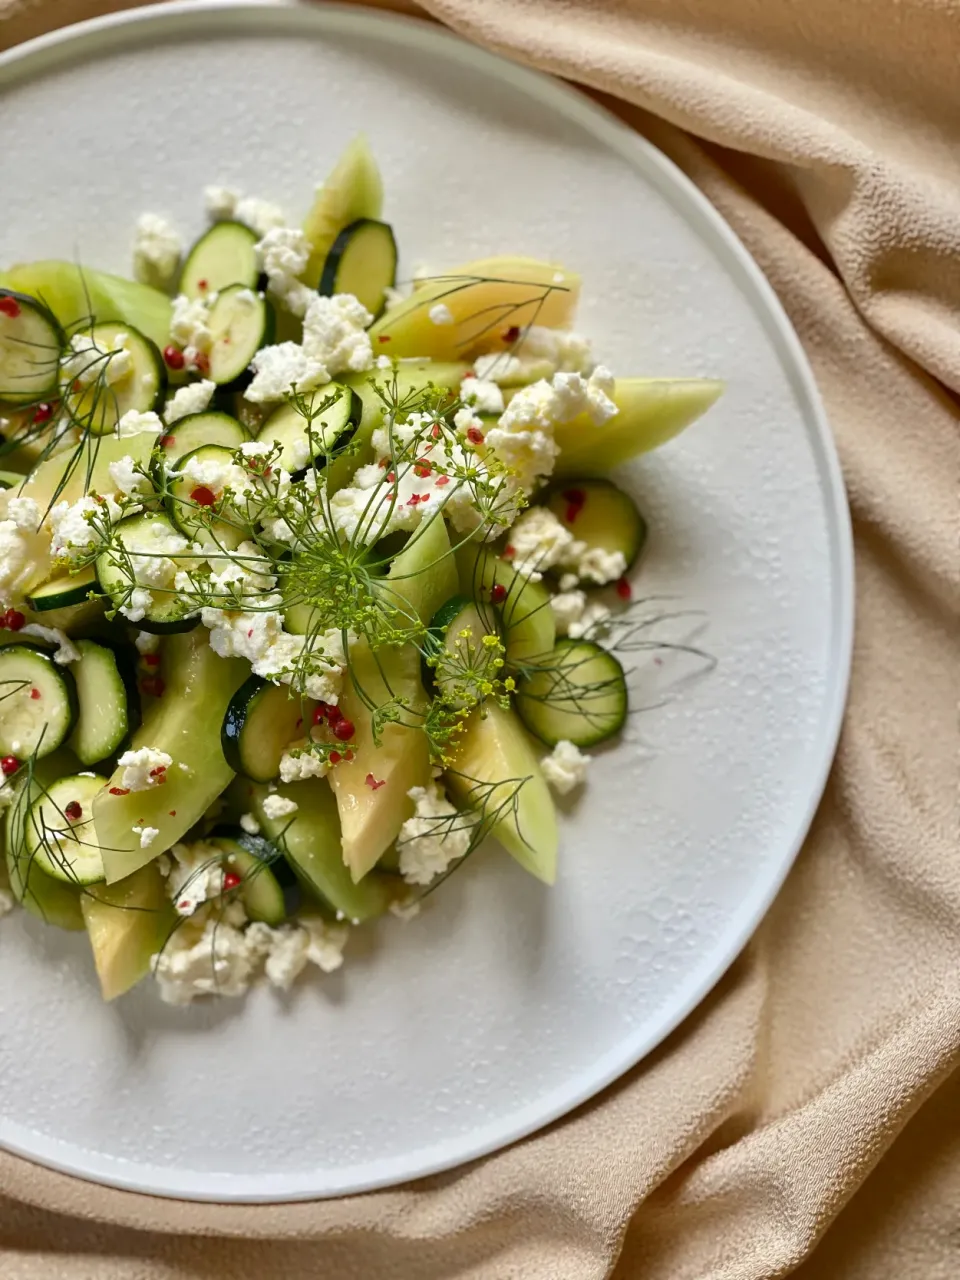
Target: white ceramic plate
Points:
(504, 1005)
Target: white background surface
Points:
(505, 1003)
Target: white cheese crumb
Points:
(213, 960)
(540, 541)
(195, 877)
(195, 397)
(190, 323)
(325, 948)
(220, 202)
(279, 806)
(147, 642)
(283, 254)
(88, 362)
(66, 650)
(156, 251)
(565, 768)
(434, 837)
(25, 513)
(73, 532)
(147, 835)
(125, 475)
(591, 621)
(482, 395)
(440, 314)
(335, 334)
(594, 564)
(259, 215)
(250, 824)
(294, 768)
(279, 368)
(143, 768)
(134, 423)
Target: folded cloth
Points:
(804, 1119)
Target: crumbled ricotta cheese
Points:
(87, 362)
(195, 397)
(565, 767)
(539, 352)
(568, 607)
(591, 621)
(434, 837)
(279, 806)
(143, 768)
(284, 951)
(440, 314)
(19, 553)
(73, 526)
(303, 764)
(259, 215)
(66, 649)
(190, 322)
(335, 334)
(156, 250)
(126, 477)
(594, 564)
(314, 664)
(212, 959)
(482, 395)
(283, 254)
(150, 547)
(277, 369)
(249, 823)
(24, 513)
(568, 581)
(220, 203)
(147, 642)
(325, 948)
(215, 472)
(147, 835)
(540, 541)
(134, 423)
(195, 876)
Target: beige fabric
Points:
(805, 1119)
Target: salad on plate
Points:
(308, 583)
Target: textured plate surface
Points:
(504, 1004)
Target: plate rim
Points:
(569, 101)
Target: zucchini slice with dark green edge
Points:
(108, 700)
(202, 428)
(31, 342)
(49, 900)
(363, 261)
(303, 446)
(578, 694)
(240, 323)
(11, 479)
(38, 702)
(98, 405)
(601, 515)
(455, 663)
(223, 256)
(60, 593)
(60, 834)
(261, 722)
(191, 505)
(268, 887)
(167, 611)
(521, 607)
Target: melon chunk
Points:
(651, 412)
(496, 772)
(486, 300)
(371, 817)
(76, 294)
(127, 924)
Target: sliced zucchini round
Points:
(223, 256)
(363, 261)
(578, 693)
(49, 900)
(304, 445)
(116, 573)
(240, 322)
(31, 341)
(268, 887)
(108, 700)
(38, 702)
(601, 515)
(456, 662)
(98, 406)
(60, 833)
(262, 720)
(202, 428)
(191, 510)
(521, 607)
(63, 592)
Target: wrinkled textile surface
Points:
(805, 1120)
